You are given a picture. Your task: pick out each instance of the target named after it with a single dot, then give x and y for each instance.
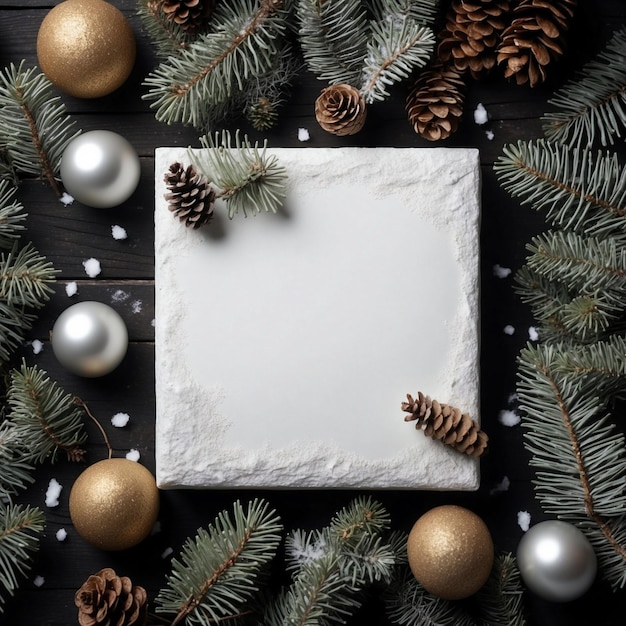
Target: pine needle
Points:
(12, 215)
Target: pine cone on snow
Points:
(106, 599)
(191, 197)
(190, 15)
(340, 110)
(446, 423)
(534, 39)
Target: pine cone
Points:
(340, 110)
(106, 599)
(435, 104)
(191, 197)
(446, 423)
(534, 39)
(262, 113)
(472, 33)
(190, 15)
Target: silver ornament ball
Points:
(89, 339)
(100, 169)
(556, 561)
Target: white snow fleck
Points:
(66, 198)
(533, 334)
(152, 322)
(501, 487)
(37, 346)
(302, 551)
(167, 552)
(118, 232)
(53, 492)
(119, 420)
(509, 330)
(303, 134)
(501, 272)
(38, 581)
(136, 306)
(92, 267)
(61, 534)
(508, 418)
(133, 455)
(71, 289)
(119, 295)
(480, 115)
(489, 134)
(512, 399)
(523, 519)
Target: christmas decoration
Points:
(114, 504)
(100, 168)
(446, 424)
(534, 39)
(89, 339)
(340, 110)
(86, 48)
(450, 552)
(191, 197)
(556, 561)
(106, 598)
(190, 15)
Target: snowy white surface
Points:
(286, 343)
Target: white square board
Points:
(285, 343)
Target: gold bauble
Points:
(114, 504)
(450, 552)
(86, 48)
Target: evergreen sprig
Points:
(34, 127)
(14, 323)
(218, 570)
(12, 215)
(15, 471)
(46, 420)
(421, 11)
(168, 37)
(593, 105)
(19, 540)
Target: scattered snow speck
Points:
(119, 420)
(508, 418)
(66, 198)
(509, 330)
(61, 534)
(302, 551)
(92, 267)
(152, 322)
(501, 272)
(133, 455)
(38, 581)
(118, 232)
(167, 552)
(71, 289)
(512, 399)
(533, 334)
(501, 487)
(53, 492)
(119, 295)
(480, 115)
(523, 519)
(37, 346)
(136, 306)
(489, 134)
(303, 134)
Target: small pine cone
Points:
(472, 33)
(446, 423)
(106, 599)
(534, 39)
(191, 197)
(190, 15)
(340, 110)
(435, 104)
(262, 114)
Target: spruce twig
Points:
(12, 215)
(167, 36)
(15, 471)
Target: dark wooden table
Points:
(69, 235)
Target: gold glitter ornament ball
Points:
(114, 504)
(450, 552)
(86, 48)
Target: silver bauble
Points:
(89, 339)
(556, 561)
(100, 169)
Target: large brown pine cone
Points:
(190, 15)
(472, 33)
(534, 39)
(340, 110)
(106, 599)
(191, 197)
(435, 104)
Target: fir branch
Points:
(242, 42)
(423, 12)
(25, 277)
(15, 471)
(19, 540)
(14, 323)
(218, 570)
(250, 180)
(12, 215)
(333, 36)
(166, 35)
(34, 126)
(45, 418)
(395, 49)
(364, 515)
(593, 105)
